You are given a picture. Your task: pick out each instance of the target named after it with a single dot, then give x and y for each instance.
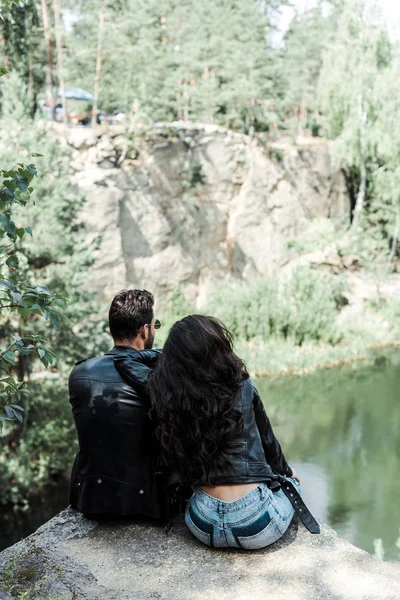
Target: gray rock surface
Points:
(194, 203)
(72, 558)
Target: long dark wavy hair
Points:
(193, 391)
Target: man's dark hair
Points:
(129, 311)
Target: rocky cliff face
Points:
(191, 204)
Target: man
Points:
(115, 470)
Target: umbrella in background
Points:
(77, 94)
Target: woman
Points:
(212, 425)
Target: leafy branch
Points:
(17, 299)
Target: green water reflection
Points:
(341, 430)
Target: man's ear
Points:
(143, 333)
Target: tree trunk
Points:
(60, 66)
(31, 90)
(178, 106)
(303, 103)
(49, 51)
(395, 238)
(394, 244)
(98, 66)
(360, 196)
(362, 117)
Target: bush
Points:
(301, 305)
(175, 309)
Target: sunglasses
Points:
(157, 324)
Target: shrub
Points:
(301, 305)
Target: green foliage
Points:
(292, 323)
(45, 449)
(204, 61)
(299, 306)
(23, 42)
(360, 49)
(276, 155)
(309, 34)
(58, 257)
(389, 309)
(192, 176)
(18, 298)
(359, 58)
(177, 307)
(384, 210)
(319, 234)
(15, 101)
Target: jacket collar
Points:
(118, 350)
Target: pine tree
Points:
(308, 36)
(23, 45)
(206, 61)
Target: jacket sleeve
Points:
(136, 370)
(272, 449)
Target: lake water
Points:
(340, 429)
(17, 525)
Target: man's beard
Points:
(149, 342)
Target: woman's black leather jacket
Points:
(256, 455)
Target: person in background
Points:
(214, 430)
(115, 469)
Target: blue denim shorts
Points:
(256, 520)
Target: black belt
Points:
(299, 506)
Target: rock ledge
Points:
(74, 558)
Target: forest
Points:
(333, 74)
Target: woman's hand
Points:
(295, 476)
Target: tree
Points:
(98, 64)
(23, 48)
(309, 34)
(60, 60)
(49, 52)
(206, 61)
(19, 299)
(384, 211)
(57, 256)
(351, 65)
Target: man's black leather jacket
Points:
(115, 470)
(256, 455)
